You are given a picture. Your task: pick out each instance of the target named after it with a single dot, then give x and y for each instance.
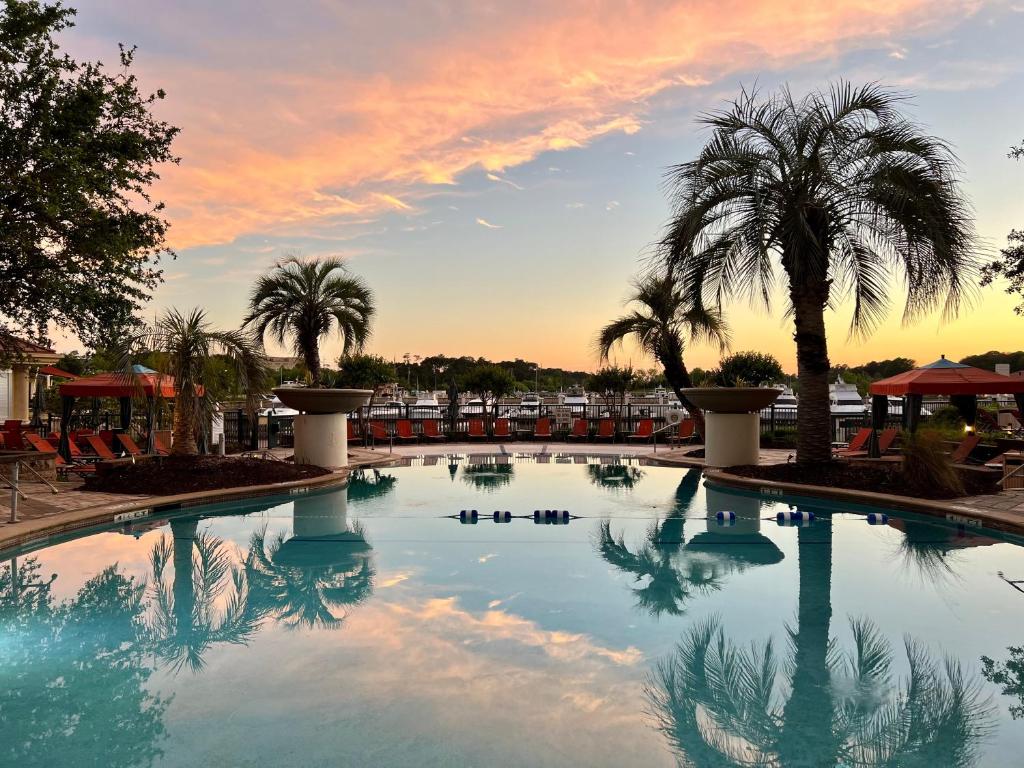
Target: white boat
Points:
(276, 408)
(896, 406)
(425, 408)
(388, 409)
(576, 399)
(845, 400)
(786, 399)
(529, 407)
(475, 407)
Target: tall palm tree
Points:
(663, 320)
(843, 192)
(185, 344)
(304, 301)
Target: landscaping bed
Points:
(185, 474)
(864, 476)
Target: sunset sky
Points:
(494, 169)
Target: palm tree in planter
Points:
(663, 320)
(304, 301)
(839, 190)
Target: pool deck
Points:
(43, 514)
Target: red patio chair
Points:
(162, 445)
(352, 433)
(605, 430)
(542, 429)
(129, 444)
(13, 435)
(644, 430)
(686, 431)
(43, 446)
(580, 430)
(99, 447)
(501, 429)
(857, 445)
(431, 431)
(378, 431)
(476, 429)
(961, 454)
(404, 431)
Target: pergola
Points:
(963, 384)
(142, 382)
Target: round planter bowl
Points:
(731, 399)
(312, 400)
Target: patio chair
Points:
(605, 430)
(129, 445)
(580, 430)
(161, 441)
(403, 431)
(686, 432)
(501, 429)
(13, 436)
(42, 446)
(352, 435)
(378, 431)
(962, 453)
(644, 430)
(100, 448)
(431, 430)
(476, 429)
(542, 429)
(857, 445)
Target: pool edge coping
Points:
(948, 510)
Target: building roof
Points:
(945, 377)
(120, 385)
(52, 370)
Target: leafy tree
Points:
(748, 369)
(80, 236)
(1010, 265)
(73, 363)
(304, 301)
(840, 190)
(989, 360)
(664, 318)
(365, 372)
(883, 369)
(489, 381)
(612, 381)
(1008, 674)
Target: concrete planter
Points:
(731, 399)
(321, 430)
(732, 423)
(317, 401)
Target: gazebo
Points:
(142, 382)
(963, 384)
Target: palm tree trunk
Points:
(184, 534)
(679, 379)
(813, 417)
(311, 354)
(184, 443)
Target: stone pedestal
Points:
(321, 439)
(731, 439)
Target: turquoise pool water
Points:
(364, 627)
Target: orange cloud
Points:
(270, 148)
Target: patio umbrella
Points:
(67, 407)
(37, 404)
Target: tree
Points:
(491, 382)
(662, 321)
(1010, 266)
(365, 372)
(185, 346)
(748, 369)
(883, 369)
(305, 301)
(840, 190)
(989, 360)
(80, 236)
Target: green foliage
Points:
(74, 363)
(80, 236)
(989, 360)
(947, 417)
(612, 381)
(1010, 265)
(1010, 675)
(365, 372)
(488, 381)
(748, 369)
(926, 465)
(883, 369)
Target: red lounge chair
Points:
(857, 445)
(961, 454)
(162, 447)
(501, 429)
(41, 445)
(13, 438)
(378, 431)
(542, 429)
(476, 429)
(580, 430)
(644, 430)
(99, 447)
(605, 430)
(404, 431)
(352, 435)
(128, 444)
(431, 431)
(686, 431)
(885, 440)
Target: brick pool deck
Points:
(44, 512)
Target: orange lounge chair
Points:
(961, 454)
(542, 429)
(580, 430)
(605, 430)
(404, 431)
(163, 448)
(644, 430)
(885, 440)
(476, 429)
(378, 431)
(431, 431)
(100, 448)
(352, 435)
(501, 429)
(128, 444)
(42, 446)
(686, 431)
(857, 445)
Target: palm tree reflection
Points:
(488, 474)
(614, 476)
(718, 705)
(314, 577)
(365, 484)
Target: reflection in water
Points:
(718, 705)
(489, 474)
(364, 484)
(931, 549)
(310, 579)
(614, 476)
(1009, 675)
(74, 673)
(208, 603)
(671, 572)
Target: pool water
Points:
(371, 626)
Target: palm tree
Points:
(185, 345)
(304, 301)
(842, 191)
(718, 705)
(663, 320)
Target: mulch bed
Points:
(860, 476)
(184, 474)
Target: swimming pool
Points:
(372, 626)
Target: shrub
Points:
(927, 468)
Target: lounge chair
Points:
(403, 431)
(686, 431)
(13, 436)
(580, 430)
(163, 447)
(100, 448)
(857, 444)
(44, 447)
(501, 429)
(128, 444)
(542, 429)
(644, 430)
(352, 435)
(962, 453)
(885, 440)
(476, 429)
(605, 430)
(379, 432)
(431, 430)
